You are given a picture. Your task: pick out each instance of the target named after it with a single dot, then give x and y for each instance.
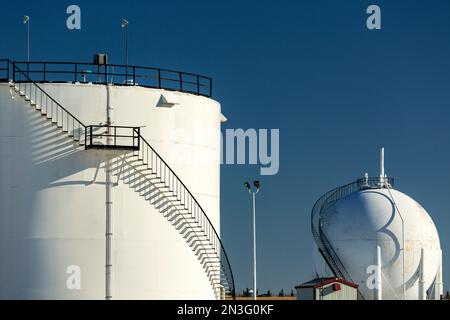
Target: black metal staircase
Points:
(167, 192)
(42, 102)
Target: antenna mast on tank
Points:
(382, 174)
(382, 162)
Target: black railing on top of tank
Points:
(111, 73)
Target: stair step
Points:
(191, 235)
(206, 250)
(208, 257)
(181, 216)
(192, 225)
(163, 187)
(212, 266)
(168, 215)
(195, 237)
(185, 217)
(161, 204)
(189, 226)
(188, 219)
(156, 181)
(202, 242)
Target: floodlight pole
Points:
(126, 45)
(254, 245)
(125, 26)
(26, 20)
(254, 193)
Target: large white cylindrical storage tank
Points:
(377, 216)
(53, 196)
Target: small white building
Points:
(327, 289)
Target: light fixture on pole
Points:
(253, 192)
(124, 25)
(26, 20)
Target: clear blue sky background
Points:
(336, 90)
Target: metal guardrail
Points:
(42, 101)
(112, 137)
(80, 72)
(317, 214)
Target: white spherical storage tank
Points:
(380, 239)
(83, 217)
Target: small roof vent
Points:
(101, 58)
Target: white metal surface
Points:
(379, 286)
(422, 275)
(438, 285)
(52, 197)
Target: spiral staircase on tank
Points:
(318, 217)
(163, 188)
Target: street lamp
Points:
(26, 20)
(125, 26)
(253, 192)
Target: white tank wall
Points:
(358, 223)
(52, 198)
(187, 136)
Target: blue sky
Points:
(336, 91)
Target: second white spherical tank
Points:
(358, 223)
